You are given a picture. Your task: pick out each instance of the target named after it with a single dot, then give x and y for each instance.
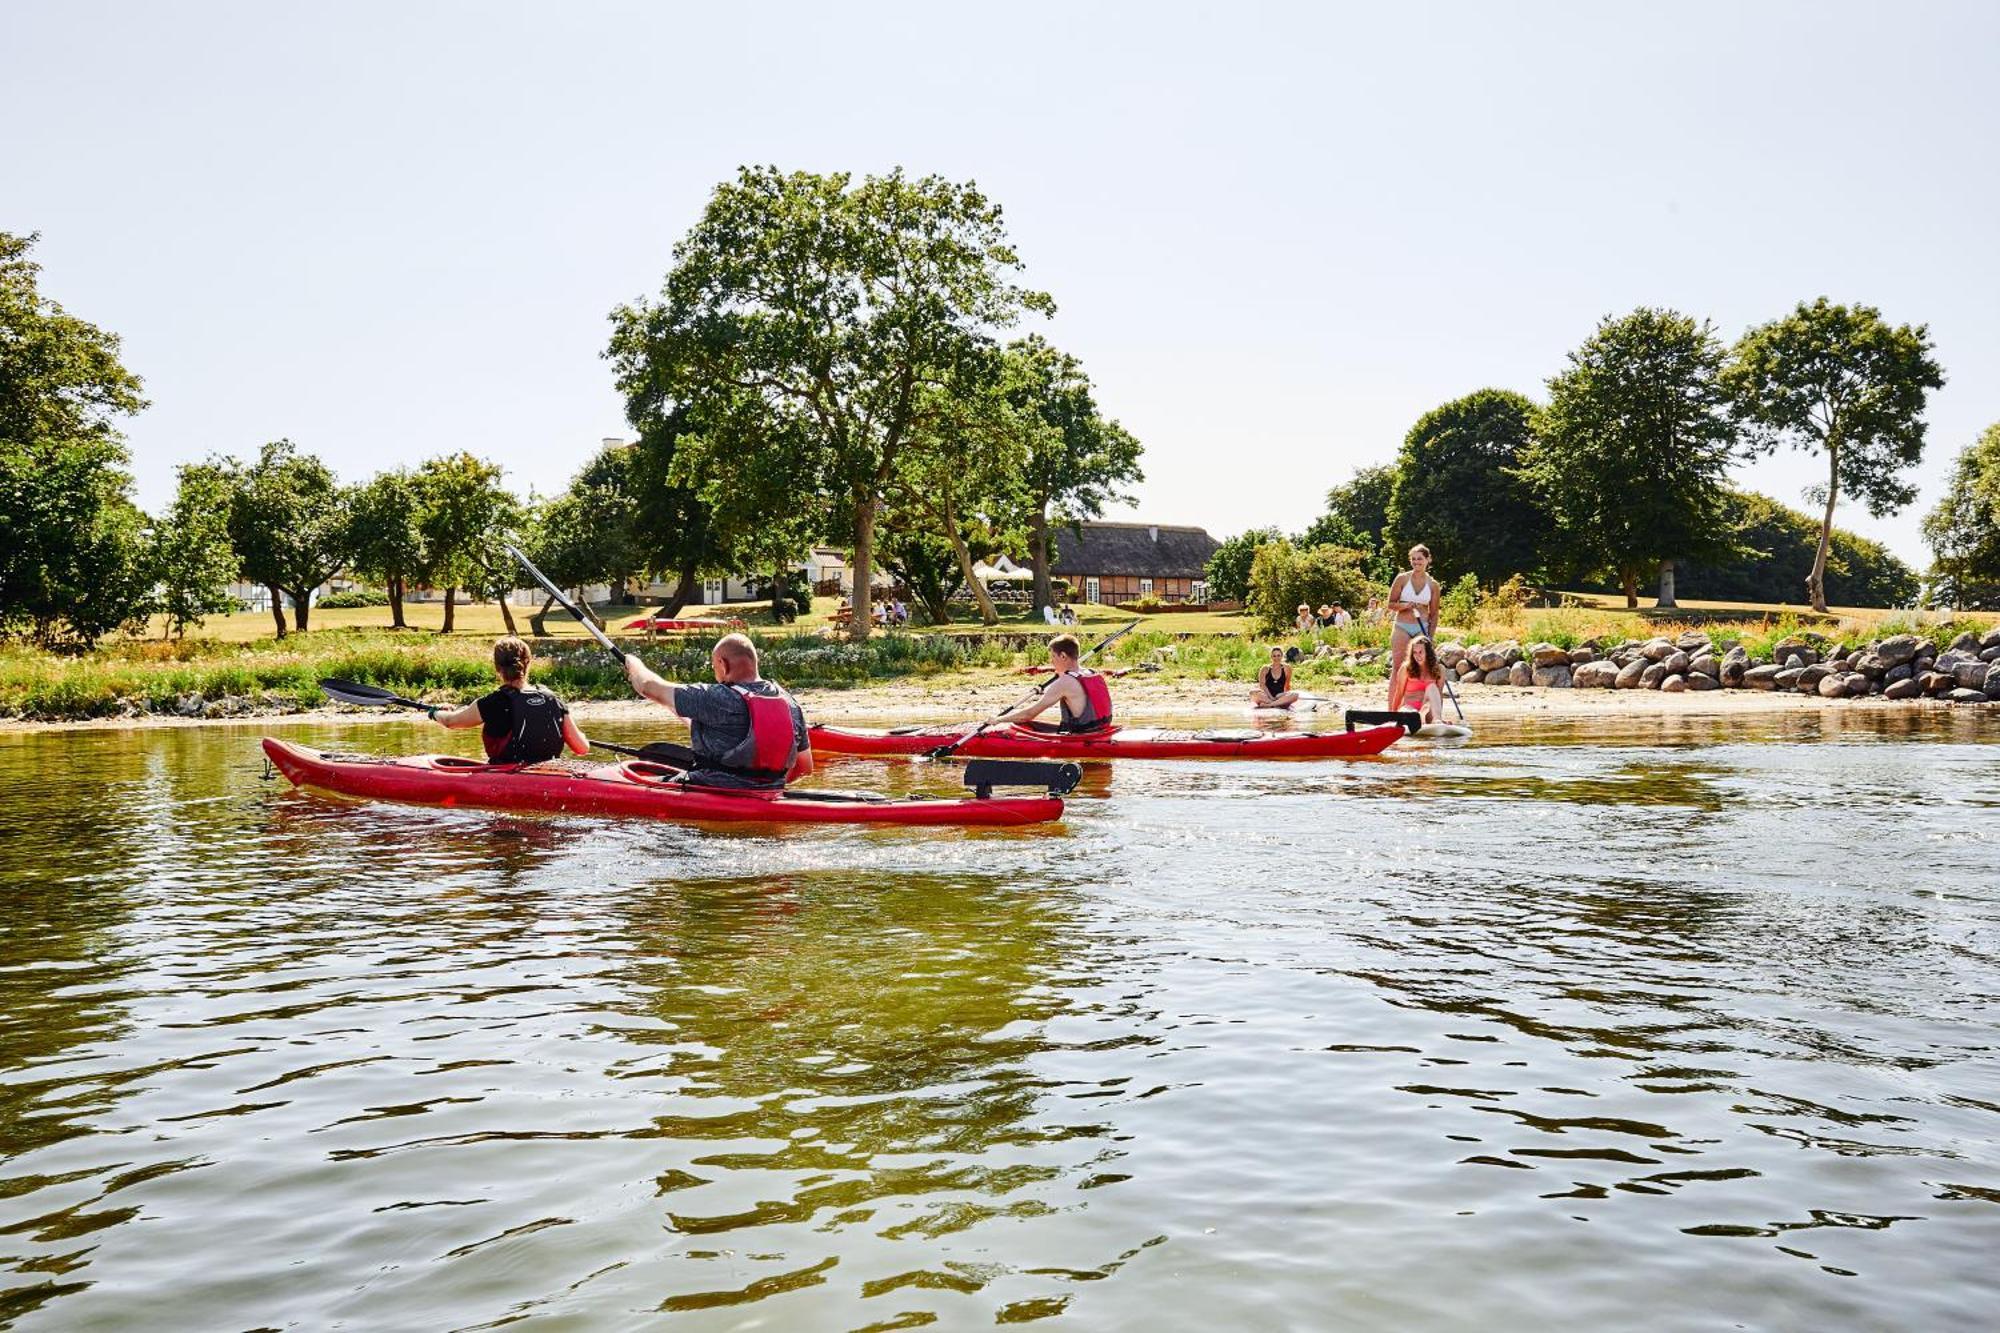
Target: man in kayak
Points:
(519, 723)
(744, 731)
(1082, 695)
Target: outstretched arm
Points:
(1051, 695)
(648, 684)
(455, 718)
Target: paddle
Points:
(564, 602)
(369, 696)
(1446, 677)
(944, 750)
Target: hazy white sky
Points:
(1277, 234)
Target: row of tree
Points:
(1623, 471)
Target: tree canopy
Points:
(288, 522)
(1228, 571)
(385, 537)
(1456, 489)
(1841, 381)
(192, 561)
(466, 513)
(1630, 453)
(1964, 529)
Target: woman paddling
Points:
(1274, 684)
(1412, 604)
(519, 723)
(1423, 680)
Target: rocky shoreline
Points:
(1898, 667)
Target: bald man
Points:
(744, 731)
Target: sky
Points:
(1276, 234)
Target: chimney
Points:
(1154, 533)
(612, 442)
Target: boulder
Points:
(1491, 657)
(1691, 640)
(1629, 674)
(1762, 677)
(1547, 655)
(1990, 654)
(1699, 681)
(1466, 667)
(1734, 663)
(191, 705)
(1788, 678)
(1582, 653)
(1992, 683)
(1520, 674)
(1896, 650)
(1651, 676)
(1860, 687)
(1704, 664)
(1967, 696)
(1810, 677)
(1676, 663)
(1451, 654)
(1898, 673)
(1905, 688)
(1556, 677)
(1965, 642)
(1657, 650)
(1934, 682)
(1497, 676)
(1991, 638)
(1673, 683)
(1970, 675)
(1788, 646)
(1833, 687)
(1594, 675)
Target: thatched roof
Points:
(1148, 550)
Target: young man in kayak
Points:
(520, 724)
(744, 731)
(1083, 696)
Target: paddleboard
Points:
(1443, 730)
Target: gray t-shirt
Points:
(719, 726)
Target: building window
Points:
(1090, 591)
(1199, 592)
(1145, 590)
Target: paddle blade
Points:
(1361, 717)
(365, 696)
(983, 775)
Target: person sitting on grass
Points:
(1304, 622)
(520, 724)
(743, 730)
(1423, 680)
(1082, 695)
(1274, 684)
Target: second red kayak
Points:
(1112, 743)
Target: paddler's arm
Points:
(1051, 694)
(573, 736)
(455, 718)
(648, 684)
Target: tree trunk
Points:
(863, 601)
(1631, 577)
(302, 601)
(506, 613)
(277, 606)
(987, 615)
(1666, 597)
(1816, 581)
(779, 611)
(450, 608)
(683, 592)
(1038, 551)
(538, 623)
(396, 620)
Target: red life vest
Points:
(1097, 703)
(774, 740)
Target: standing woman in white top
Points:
(1413, 599)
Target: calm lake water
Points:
(1667, 1025)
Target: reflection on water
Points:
(1682, 1023)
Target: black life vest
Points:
(536, 734)
(1096, 702)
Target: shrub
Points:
(1282, 576)
(1460, 603)
(353, 599)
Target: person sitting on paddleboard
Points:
(521, 724)
(1423, 680)
(1274, 684)
(1413, 604)
(1083, 695)
(744, 730)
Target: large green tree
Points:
(385, 535)
(1841, 381)
(1357, 515)
(467, 512)
(72, 544)
(1773, 551)
(824, 314)
(1629, 455)
(192, 561)
(1964, 529)
(1456, 489)
(1076, 460)
(288, 522)
(1228, 569)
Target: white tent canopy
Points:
(1000, 570)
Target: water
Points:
(1683, 1026)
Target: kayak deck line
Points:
(633, 788)
(1111, 743)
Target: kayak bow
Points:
(1111, 743)
(634, 788)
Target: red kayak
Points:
(1112, 743)
(669, 626)
(632, 788)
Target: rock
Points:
(1898, 673)
(191, 705)
(1860, 687)
(1734, 663)
(1657, 650)
(1762, 677)
(1650, 678)
(1704, 664)
(1700, 681)
(1833, 687)
(1810, 677)
(1934, 682)
(1594, 675)
(1905, 688)
(1795, 661)
(1970, 675)
(1466, 667)
(1788, 678)
(1966, 642)
(1673, 683)
(1990, 654)
(1629, 674)
(1691, 640)
(1555, 677)
(1581, 654)
(1967, 696)
(1896, 649)
(1547, 654)
(1992, 683)
(1676, 663)
(1789, 645)
(1497, 676)
(1451, 654)
(1490, 657)
(1520, 674)
(1991, 638)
